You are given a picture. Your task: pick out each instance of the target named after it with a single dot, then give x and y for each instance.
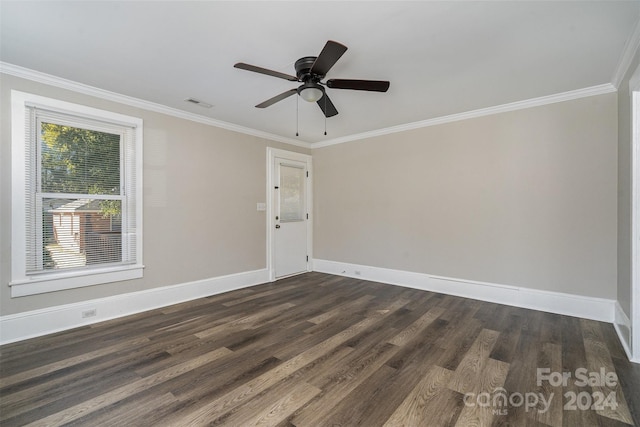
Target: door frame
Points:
(272, 154)
(634, 94)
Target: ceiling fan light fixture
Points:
(310, 92)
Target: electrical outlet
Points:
(89, 313)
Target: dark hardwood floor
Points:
(321, 350)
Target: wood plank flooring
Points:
(322, 350)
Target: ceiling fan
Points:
(310, 70)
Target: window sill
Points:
(59, 281)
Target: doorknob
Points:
(277, 225)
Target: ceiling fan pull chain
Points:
(325, 116)
(297, 108)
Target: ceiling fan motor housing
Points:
(303, 69)
(309, 80)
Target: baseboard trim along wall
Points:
(36, 323)
(622, 324)
(553, 302)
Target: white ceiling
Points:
(441, 58)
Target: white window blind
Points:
(76, 195)
(80, 184)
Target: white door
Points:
(291, 216)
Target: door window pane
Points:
(291, 193)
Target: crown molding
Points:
(629, 51)
(48, 79)
(513, 106)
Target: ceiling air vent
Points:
(198, 102)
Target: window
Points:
(76, 195)
(292, 185)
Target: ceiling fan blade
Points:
(277, 98)
(261, 70)
(330, 54)
(370, 85)
(327, 106)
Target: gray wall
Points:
(525, 198)
(201, 186)
(624, 189)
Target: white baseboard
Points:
(35, 323)
(553, 302)
(622, 325)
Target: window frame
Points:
(22, 283)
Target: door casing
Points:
(272, 153)
(634, 92)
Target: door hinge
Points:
(307, 174)
(307, 258)
(307, 216)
